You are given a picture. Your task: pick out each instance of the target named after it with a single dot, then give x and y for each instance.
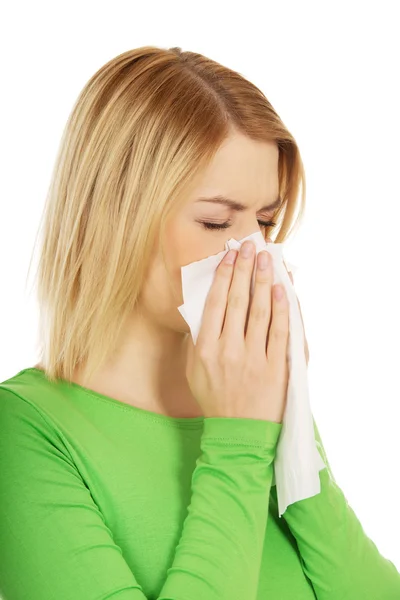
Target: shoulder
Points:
(24, 424)
(17, 397)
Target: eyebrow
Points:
(234, 205)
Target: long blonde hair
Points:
(141, 129)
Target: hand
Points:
(233, 371)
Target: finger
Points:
(215, 304)
(279, 332)
(239, 297)
(260, 309)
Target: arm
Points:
(341, 561)
(54, 542)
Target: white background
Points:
(331, 70)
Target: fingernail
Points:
(263, 259)
(246, 249)
(278, 292)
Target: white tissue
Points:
(297, 462)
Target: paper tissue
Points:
(298, 461)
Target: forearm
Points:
(220, 550)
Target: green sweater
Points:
(101, 500)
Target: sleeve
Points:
(54, 542)
(341, 561)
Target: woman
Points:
(123, 476)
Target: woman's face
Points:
(242, 170)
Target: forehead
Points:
(242, 170)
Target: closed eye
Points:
(208, 225)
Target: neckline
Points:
(166, 419)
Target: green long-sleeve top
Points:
(101, 500)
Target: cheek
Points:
(188, 242)
(162, 290)
(161, 296)
(162, 293)
(185, 242)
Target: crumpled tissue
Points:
(297, 462)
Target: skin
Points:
(149, 369)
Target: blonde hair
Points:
(141, 129)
